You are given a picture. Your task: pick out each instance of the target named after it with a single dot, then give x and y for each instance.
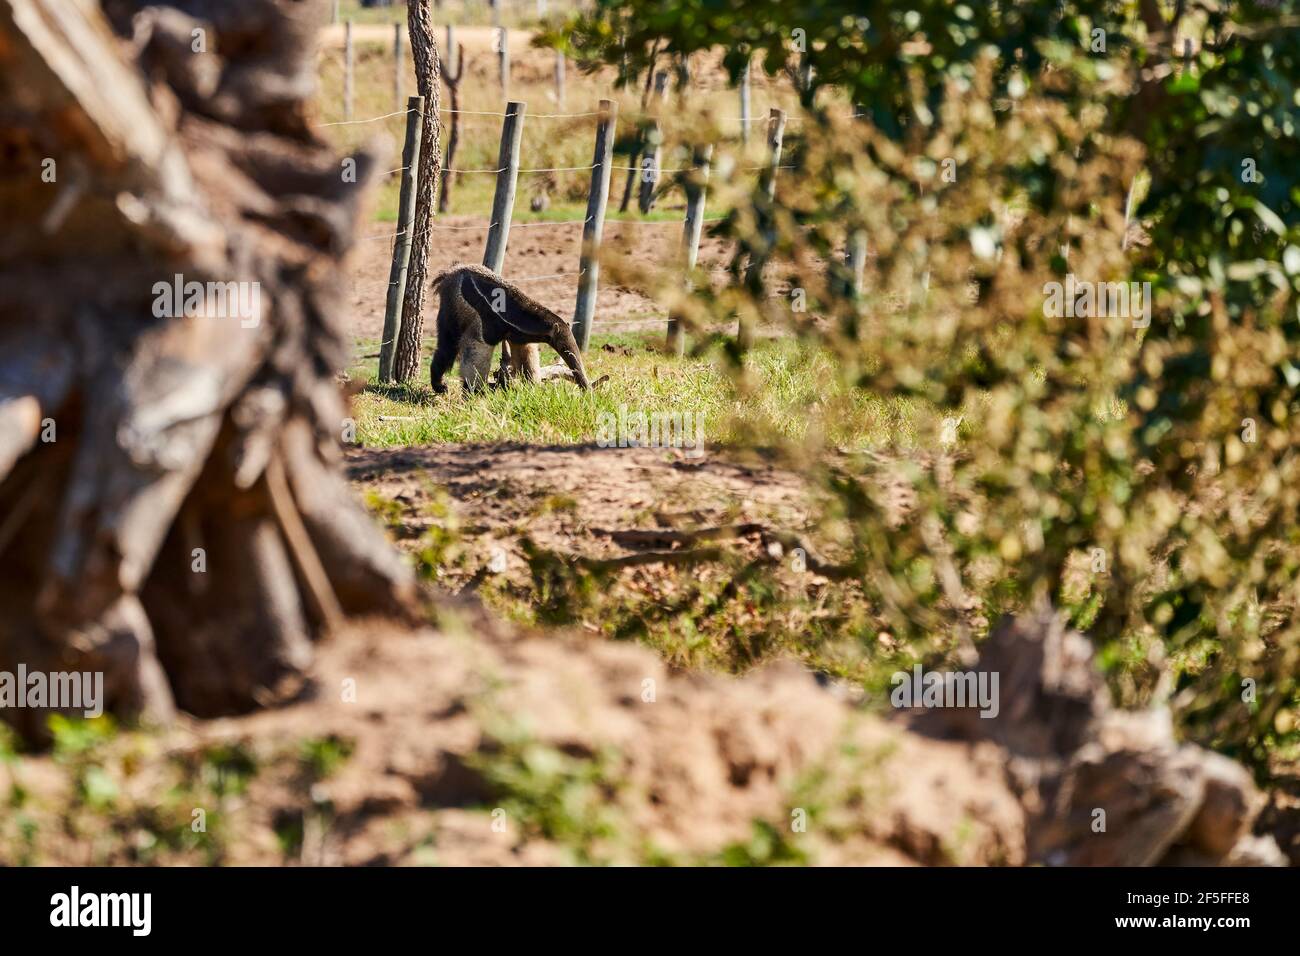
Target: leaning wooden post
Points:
(775, 137)
(335, 17)
(744, 104)
(397, 65)
(696, 190)
(402, 243)
(660, 89)
(683, 71)
(559, 80)
(503, 60)
(452, 60)
(855, 259)
(650, 163)
(347, 70)
(503, 205)
(652, 151)
(593, 229)
(503, 200)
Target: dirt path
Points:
(564, 497)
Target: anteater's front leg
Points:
(525, 361)
(505, 370)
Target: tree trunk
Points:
(171, 508)
(428, 75)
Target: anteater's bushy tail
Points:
(444, 274)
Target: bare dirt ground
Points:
(536, 249)
(687, 769)
(475, 743)
(567, 498)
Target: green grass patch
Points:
(790, 393)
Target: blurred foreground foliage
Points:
(1141, 475)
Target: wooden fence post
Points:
(347, 71)
(652, 153)
(855, 259)
(744, 104)
(775, 137)
(855, 251)
(503, 200)
(559, 80)
(593, 229)
(503, 61)
(683, 71)
(402, 242)
(335, 17)
(397, 65)
(503, 205)
(696, 192)
(651, 160)
(661, 88)
(805, 75)
(767, 237)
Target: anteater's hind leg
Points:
(475, 364)
(563, 342)
(444, 356)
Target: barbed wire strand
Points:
(543, 222)
(526, 115)
(373, 119)
(535, 169)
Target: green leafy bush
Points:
(1135, 465)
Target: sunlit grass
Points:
(792, 392)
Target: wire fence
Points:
(498, 226)
(384, 116)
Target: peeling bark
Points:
(183, 526)
(428, 77)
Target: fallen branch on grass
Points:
(650, 557)
(559, 370)
(545, 373)
(775, 544)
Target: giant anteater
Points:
(478, 310)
